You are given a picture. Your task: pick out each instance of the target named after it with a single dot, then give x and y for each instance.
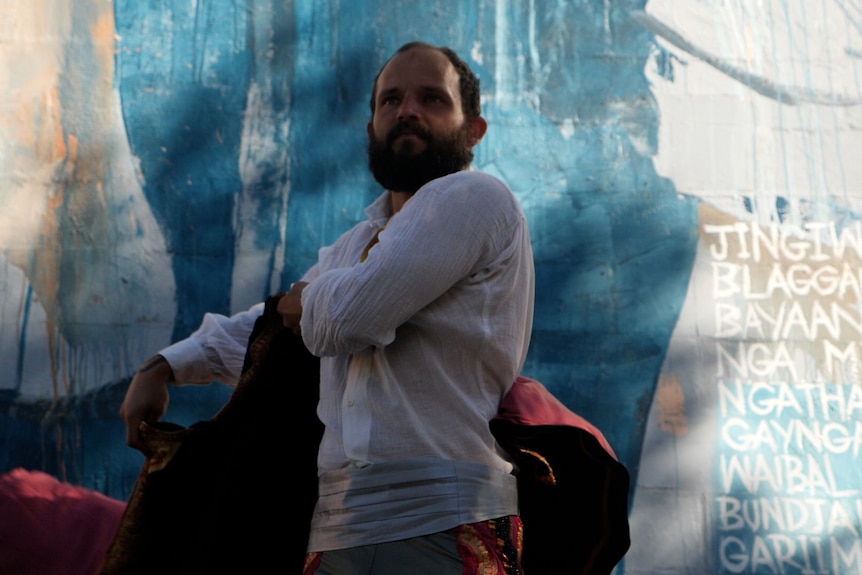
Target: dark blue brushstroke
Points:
(183, 115)
(24, 322)
(782, 208)
(614, 251)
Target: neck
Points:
(398, 199)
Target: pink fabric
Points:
(530, 403)
(48, 527)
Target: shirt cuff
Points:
(189, 362)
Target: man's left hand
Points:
(290, 307)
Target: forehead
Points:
(419, 68)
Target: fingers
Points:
(133, 436)
(132, 418)
(290, 307)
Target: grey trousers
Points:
(435, 554)
(492, 546)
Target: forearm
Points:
(215, 351)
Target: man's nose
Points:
(409, 108)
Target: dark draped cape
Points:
(235, 493)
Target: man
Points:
(421, 316)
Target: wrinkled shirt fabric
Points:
(418, 345)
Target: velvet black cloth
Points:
(233, 494)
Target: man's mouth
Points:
(407, 133)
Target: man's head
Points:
(468, 82)
(425, 117)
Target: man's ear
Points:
(478, 127)
(368, 129)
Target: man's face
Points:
(418, 131)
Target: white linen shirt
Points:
(420, 342)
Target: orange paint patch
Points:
(671, 406)
(103, 32)
(73, 149)
(52, 130)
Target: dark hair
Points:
(468, 82)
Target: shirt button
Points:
(350, 403)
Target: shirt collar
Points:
(378, 211)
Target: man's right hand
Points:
(146, 399)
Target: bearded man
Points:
(421, 317)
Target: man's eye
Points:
(390, 101)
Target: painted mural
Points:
(691, 175)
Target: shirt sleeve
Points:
(311, 274)
(215, 351)
(449, 230)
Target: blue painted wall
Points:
(191, 157)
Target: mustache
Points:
(404, 129)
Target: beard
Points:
(405, 170)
